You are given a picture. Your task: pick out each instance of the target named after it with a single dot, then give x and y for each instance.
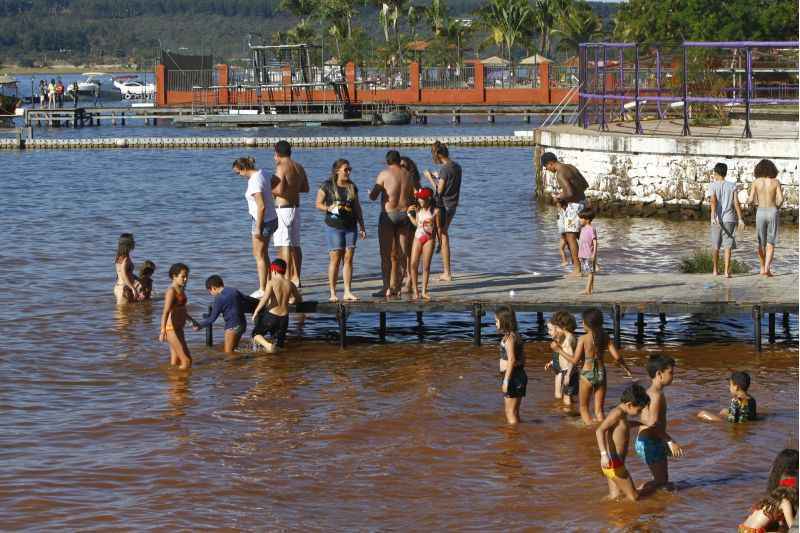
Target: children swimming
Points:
(777, 511)
(514, 380)
(613, 436)
(144, 284)
(174, 317)
(742, 407)
(591, 350)
(561, 328)
(424, 216)
(653, 443)
(587, 247)
(125, 288)
(275, 304)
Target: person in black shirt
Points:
(447, 184)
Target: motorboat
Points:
(133, 89)
(9, 100)
(86, 86)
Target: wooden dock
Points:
(616, 294)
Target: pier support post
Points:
(786, 322)
(540, 320)
(757, 326)
(123, 119)
(113, 119)
(382, 325)
(209, 329)
(617, 317)
(490, 116)
(419, 318)
(477, 311)
(771, 327)
(662, 317)
(640, 324)
(527, 118)
(341, 316)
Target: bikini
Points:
(126, 291)
(518, 381)
(180, 301)
(424, 231)
(597, 375)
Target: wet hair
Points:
(593, 319)
(507, 318)
(176, 269)
(392, 157)
(765, 169)
(439, 149)
(587, 213)
(125, 245)
(411, 167)
(351, 190)
(147, 269)
(770, 505)
(214, 282)
(636, 395)
(548, 157)
(245, 163)
(785, 463)
(658, 363)
(741, 380)
(564, 320)
(283, 148)
(721, 169)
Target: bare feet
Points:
(350, 297)
(586, 293)
(380, 293)
(728, 275)
(415, 295)
(769, 274)
(715, 273)
(564, 263)
(426, 296)
(445, 277)
(333, 298)
(574, 274)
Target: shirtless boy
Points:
(571, 198)
(653, 444)
(766, 193)
(272, 312)
(396, 190)
(292, 181)
(613, 437)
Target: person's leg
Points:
(715, 262)
(262, 341)
(512, 408)
(660, 471)
(347, 273)
(584, 393)
(562, 244)
(762, 259)
(333, 273)
(427, 257)
(727, 256)
(385, 240)
(599, 402)
(625, 486)
(768, 257)
(572, 242)
(416, 253)
(178, 344)
(262, 260)
(404, 240)
(232, 337)
(590, 283)
(447, 274)
(559, 386)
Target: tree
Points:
(505, 21)
(437, 16)
(575, 25)
(302, 9)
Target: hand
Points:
(427, 174)
(676, 450)
(548, 365)
(411, 208)
(741, 224)
(628, 373)
(195, 327)
(605, 461)
(362, 233)
(162, 337)
(554, 346)
(504, 388)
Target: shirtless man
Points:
(766, 193)
(571, 201)
(396, 190)
(292, 181)
(272, 312)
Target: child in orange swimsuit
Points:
(174, 317)
(424, 216)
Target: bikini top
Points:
(518, 348)
(181, 298)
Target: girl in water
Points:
(777, 511)
(424, 216)
(174, 317)
(561, 328)
(590, 351)
(125, 289)
(514, 380)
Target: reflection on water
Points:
(100, 433)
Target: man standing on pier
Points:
(571, 201)
(726, 215)
(447, 184)
(396, 189)
(767, 194)
(292, 181)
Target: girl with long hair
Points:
(513, 379)
(125, 288)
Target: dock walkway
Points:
(616, 295)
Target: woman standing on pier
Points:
(338, 198)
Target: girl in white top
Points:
(261, 206)
(561, 328)
(424, 217)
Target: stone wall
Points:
(662, 176)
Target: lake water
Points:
(99, 433)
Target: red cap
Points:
(790, 482)
(280, 269)
(424, 193)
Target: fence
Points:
(378, 78)
(184, 80)
(511, 77)
(563, 77)
(459, 77)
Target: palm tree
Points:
(301, 9)
(437, 16)
(505, 22)
(577, 24)
(546, 14)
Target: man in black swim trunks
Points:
(396, 190)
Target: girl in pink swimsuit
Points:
(424, 216)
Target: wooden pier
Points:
(658, 295)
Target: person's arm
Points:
(169, 302)
(511, 354)
(738, 207)
(260, 208)
(377, 189)
(788, 512)
(263, 301)
(279, 188)
(594, 249)
(618, 358)
(127, 278)
(779, 195)
(602, 435)
(431, 180)
(216, 309)
(412, 217)
(320, 203)
(298, 298)
(713, 205)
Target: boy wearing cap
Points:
(726, 215)
(278, 295)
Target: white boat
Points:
(132, 88)
(86, 87)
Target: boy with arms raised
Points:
(613, 437)
(653, 444)
(275, 306)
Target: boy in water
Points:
(613, 437)
(275, 320)
(232, 304)
(144, 284)
(743, 406)
(653, 443)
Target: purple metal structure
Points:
(600, 91)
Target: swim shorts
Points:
(517, 384)
(767, 226)
(570, 382)
(651, 450)
(288, 232)
(275, 325)
(722, 236)
(617, 468)
(398, 219)
(569, 217)
(238, 329)
(267, 229)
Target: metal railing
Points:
(511, 77)
(563, 77)
(185, 80)
(261, 98)
(458, 77)
(378, 78)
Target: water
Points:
(99, 433)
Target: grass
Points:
(700, 263)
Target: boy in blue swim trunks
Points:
(653, 443)
(743, 406)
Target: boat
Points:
(9, 100)
(86, 87)
(132, 89)
(398, 117)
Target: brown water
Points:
(98, 433)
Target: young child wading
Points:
(514, 380)
(174, 317)
(275, 304)
(742, 407)
(561, 328)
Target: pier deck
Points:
(616, 294)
